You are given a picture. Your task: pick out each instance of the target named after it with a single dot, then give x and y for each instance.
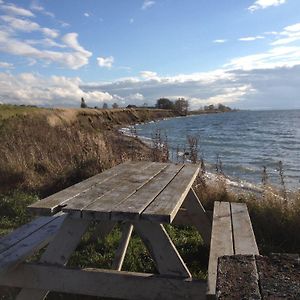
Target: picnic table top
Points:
(128, 192)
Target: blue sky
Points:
(242, 53)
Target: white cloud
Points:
(288, 35)
(274, 58)
(71, 59)
(105, 62)
(86, 14)
(262, 4)
(220, 41)
(47, 43)
(148, 75)
(131, 20)
(136, 97)
(12, 9)
(147, 4)
(33, 89)
(37, 7)
(6, 65)
(251, 38)
(27, 26)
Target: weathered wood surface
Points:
(197, 215)
(243, 235)
(24, 231)
(58, 252)
(166, 257)
(96, 193)
(29, 243)
(132, 191)
(166, 205)
(110, 284)
(132, 208)
(101, 208)
(55, 202)
(232, 233)
(221, 241)
(122, 248)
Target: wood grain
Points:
(20, 251)
(221, 241)
(243, 235)
(104, 283)
(101, 208)
(58, 252)
(165, 206)
(138, 202)
(55, 202)
(166, 257)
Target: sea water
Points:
(244, 141)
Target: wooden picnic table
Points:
(139, 195)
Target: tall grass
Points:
(36, 156)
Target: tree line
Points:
(181, 106)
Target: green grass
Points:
(8, 110)
(13, 211)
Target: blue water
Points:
(245, 141)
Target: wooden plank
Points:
(165, 206)
(76, 205)
(161, 248)
(243, 235)
(58, 252)
(182, 218)
(27, 246)
(53, 203)
(23, 232)
(101, 208)
(198, 216)
(138, 202)
(104, 283)
(221, 241)
(102, 229)
(122, 248)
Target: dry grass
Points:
(275, 220)
(44, 157)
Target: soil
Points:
(259, 277)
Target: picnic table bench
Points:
(232, 234)
(141, 195)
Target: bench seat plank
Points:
(28, 245)
(53, 203)
(138, 202)
(79, 202)
(101, 208)
(221, 241)
(22, 232)
(166, 205)
(243, 235)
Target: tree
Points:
(223, 108)
(181, 106)
(115, 105)
(105, 105)
(164, 103)
(83, 104)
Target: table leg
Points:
(198, 216)
(121, 251)
(103, 228)
(59, 251)
(161, 248)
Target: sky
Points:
(241, 53)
